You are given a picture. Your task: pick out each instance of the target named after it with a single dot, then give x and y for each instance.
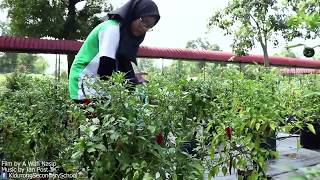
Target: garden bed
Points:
(140, 132)
(289, 162)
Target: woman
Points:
(112, 46)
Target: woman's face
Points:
(141, 25)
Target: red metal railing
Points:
(33, 45)
(202, 55)
(287, 71)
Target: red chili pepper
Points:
(229, 132)
(86, 101)
(160, 138)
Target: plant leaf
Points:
(100, 146)
(213, 172)
(257, 126)
(95, 120)
(152, 129)
(311, 128)
(90, 150)
(272, 126)
(224, 170)
(147, 176)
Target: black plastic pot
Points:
(189, 147)
(270, 142)
(309, 140)
(244, 174)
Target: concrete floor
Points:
(290, 161)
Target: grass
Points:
(2, 78)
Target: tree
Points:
(251, 22)
(23, 62)
(26, 62)
(10, 62)
(145, 65)
(203, 44)
(4, 29)
(286, 53)
(306, 17)
(200, 44)
(40, 65)
(54, 18)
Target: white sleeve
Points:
(109, 41)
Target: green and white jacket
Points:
(103, 40)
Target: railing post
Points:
(70, 58)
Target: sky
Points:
(182, 21)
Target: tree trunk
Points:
(70, 59)
(70, 28)
(264, 46)
(265, 56)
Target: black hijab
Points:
(132, 10)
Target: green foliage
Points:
(310, 102)
(32, 63)
(193, 68)
(308, 173)
(40, 65)
(8, 62)
(286, 53)
(203, 44)
(250, 107)
(53, 18)
(16, 82)
(22, 62)
(306, 17)
(34, 123)
(145, 65)
(4, 29)
(120, 139)
(187, 68)
(302, 98)
(252, 22)
(138, 133)
(64, 75)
